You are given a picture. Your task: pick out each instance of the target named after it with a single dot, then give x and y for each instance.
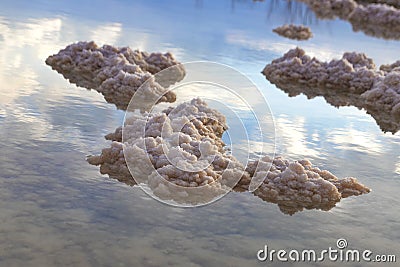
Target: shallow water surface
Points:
(57, 210)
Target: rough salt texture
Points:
(350, 81)
(390, 67)
(298, 185)
(377, 20)
(295, 32)
(117, 73)
(180, 146)
(395, 3)
(380, 20)
(354, 72)
(329, 9)
(112, 162)
(383, 101)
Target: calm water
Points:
(57, 210)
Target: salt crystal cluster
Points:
(380, 19)
(395, 3)
(352, 80)
(377, 20)
(112, 162)
(178, 153)
(298, 185)
(296, 32)
(383, 100)
(163, 161)
(180, 149)
(390, 67)
(329, 9)
(353, 73)
(174, 150)
(117, 73)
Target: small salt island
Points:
(378, 18)
(294, 32)
(116, 72)
(353, 80)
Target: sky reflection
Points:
(57, 210)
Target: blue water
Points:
(57, 210)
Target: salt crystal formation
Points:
(173, 151)
(329, 9)
(193, 156)
(377, 20)
(296, 32)
(395, 3)
(112, 162)
(354, 73)
(380, 20)
(382, 101)
(352, 80)
(298, 185)
(117, 73)
(178, 153)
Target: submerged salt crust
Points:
(380, 19)
(179, 155)
(352, 80)
(296, 32)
